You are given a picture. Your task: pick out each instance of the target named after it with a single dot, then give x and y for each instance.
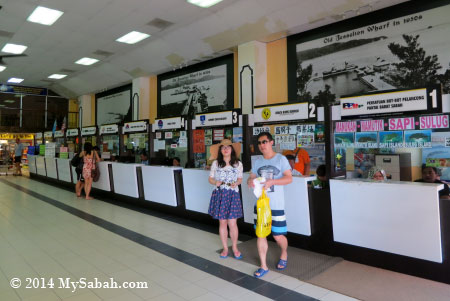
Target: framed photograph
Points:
(113, 106)
(378, 51)
(202, 88)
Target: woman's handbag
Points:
(95, 173)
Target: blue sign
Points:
(202, 119)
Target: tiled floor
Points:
(47, 233)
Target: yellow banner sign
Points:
(14, 136)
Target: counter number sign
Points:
(266, 114)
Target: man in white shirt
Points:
(275, 168)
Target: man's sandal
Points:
(282, 264)
(260, 272)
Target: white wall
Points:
(254, 54)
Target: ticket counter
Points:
(397, 217)
(197, 189)
(159, 184)
(64, 172)
(125, 179)
(103, 182)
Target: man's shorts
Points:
(17, 159)
(279, 226)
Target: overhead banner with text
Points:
(297, 111)
(425, 100)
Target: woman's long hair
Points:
(88, 148)
(233, 158)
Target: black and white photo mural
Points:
(114, 106)
(202, 88)
(401, 47)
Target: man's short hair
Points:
(267, 134)
(424, 166)
(290, 157)
(321, 170)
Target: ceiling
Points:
(89, 28)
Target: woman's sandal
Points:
(225, 255)
(237, 257)
(260, 272)
(282, 264)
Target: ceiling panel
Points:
(90, 25)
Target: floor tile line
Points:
(210, 267)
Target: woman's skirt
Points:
(225, 204)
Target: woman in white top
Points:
(225, 204)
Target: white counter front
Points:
(397, 217)
(159, 184)
(103, 182)
(296, 204)
(31, 163)
(40, 166)
(125, 179)
(64, 170)
(50, 165)
(197, 190)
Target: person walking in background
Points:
(302, 160)
(18, 157)
(277, 172)
(88, 155)
(225, 204)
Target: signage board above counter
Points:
(15, 136)
(59, 134)
(109, 129)
(39, 135)
(48, 134)
(135, 126)
(89, 131)
(72, 132)
(217, 119)
(296, 111)
(168, 123)
(441, 121)
(393, 102)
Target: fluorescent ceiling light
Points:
(204, 3)
(15, 80)
(2, 68)
(133, 37)
(43, 15)
(13, 48)
(57, 76)
(86, 61)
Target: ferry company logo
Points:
(127, 126)
(350, 105)
(202, 119)
(160, 124)
(266, 114)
